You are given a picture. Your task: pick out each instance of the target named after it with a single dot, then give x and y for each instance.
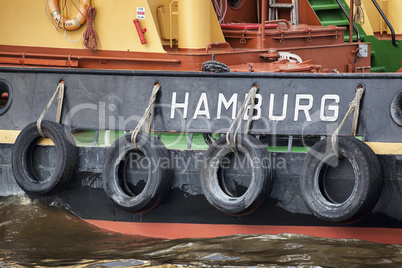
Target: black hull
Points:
(185, 211)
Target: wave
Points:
(35, 234)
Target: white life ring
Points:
(69, 24)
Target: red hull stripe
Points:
(186, 230)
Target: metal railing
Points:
(348, 17)
(386, 21)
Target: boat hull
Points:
(99, 99)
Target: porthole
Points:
(6, 96)
(396, 108)
(235, 3)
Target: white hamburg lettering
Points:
(232, 102)
(202, 102)
(284, 108)
(329, 108)
(257, 107)
(334, 108)
(179, 105)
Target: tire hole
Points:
(43, 161)
(234, 174)
(337, 181)
(133, 172)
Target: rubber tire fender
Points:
(261, 181)
(22, 159)
(367, 187)
(159, 175)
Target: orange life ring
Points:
(70, 24)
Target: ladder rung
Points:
(346, 38)
(281, 5)
(379, 69)
(335, 22)
(326, 7)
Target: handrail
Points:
(264, 8)
(348, 17)
(170, 22)
(210, 45)
(279, 21)
(386, 21)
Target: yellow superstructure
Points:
(373, 22)
(194, 23)
(28, 23)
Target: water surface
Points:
(33, 234)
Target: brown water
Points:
(36, 235)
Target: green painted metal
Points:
(384, 56)
(172, 141)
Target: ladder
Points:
(292, 7)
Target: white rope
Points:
(353, 106)
(249, 101)
(60, 25)
(72, 41)
(147, 116)
(60, 90)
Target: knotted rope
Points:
(353, 106)
(359, 13)
(147, 116)
(248, 102)
(91, 40)
(60, 90)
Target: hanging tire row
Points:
(349, 155)
(359, 202)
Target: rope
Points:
(249, 101)
(220, 9)
(353, 106)
(60, 90)
(359, 13)
(91, 40)
(213, 66)
(147, 116)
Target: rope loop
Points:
(249, 102)
(359, 12)
(91, 39)
(60, 98)
(353, 106)
(147, 116)
(220, 9)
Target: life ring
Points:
(70, 24)
(358, 161)
(65, 159)
(216, 190)
(154, 160)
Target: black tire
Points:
(395, 108)
(22, 159)
(158, 175)
(365, 192)
(261, 181)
